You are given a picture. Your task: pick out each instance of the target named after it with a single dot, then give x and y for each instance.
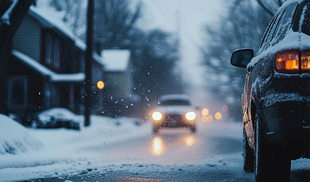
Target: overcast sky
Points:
(194, 15)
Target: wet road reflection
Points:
(189, 140)
(158, 146)
(172, 146)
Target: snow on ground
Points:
(61, 150)
(117, 148)
(14, 138)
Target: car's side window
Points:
(306, 21)
(273, 29)
(278, 27)
(266, 39)
(266, 33)
(285, 23)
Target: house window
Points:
(18, 91)
(52, 51)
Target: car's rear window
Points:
(174, 102)
(306, 22)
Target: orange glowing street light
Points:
(218, 116)
(100, 85)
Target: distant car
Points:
(57, 118)
(174, 111)
(276, 98)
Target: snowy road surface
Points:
(133, 153)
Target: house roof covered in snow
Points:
(44, 71)
(52, 18)
(115, 60)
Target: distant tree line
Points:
(241, 27)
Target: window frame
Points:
(271, 30)
(11, 97)
(267, 31)
(52, 49)
(277, 36)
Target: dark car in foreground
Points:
(276, 98)
(174, 111)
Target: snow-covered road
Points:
(127, 152)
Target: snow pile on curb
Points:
(14, 138)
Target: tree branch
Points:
(265, 8)
(13, 18)
(279, 3)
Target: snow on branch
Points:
(5, 19)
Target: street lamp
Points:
(100, 85)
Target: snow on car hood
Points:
(173, 109)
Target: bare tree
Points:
(75, 14)
(114, 21)
(270, 6)
(243, 26)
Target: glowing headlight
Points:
(190, 116)
(157, 116)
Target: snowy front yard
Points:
(34, 153)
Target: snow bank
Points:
(65, 149)
(59, 114)
(14, 138)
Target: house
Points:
(46, 68)
(119, 96)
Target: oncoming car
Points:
(276, 98)
(174, 111)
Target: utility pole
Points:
(88, 62)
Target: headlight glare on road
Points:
(157, 116)
(190, 116)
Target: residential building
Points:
(46, 68)
(119, 97)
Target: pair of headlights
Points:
(158, 116)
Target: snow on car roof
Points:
(287, 3)
(174, 97)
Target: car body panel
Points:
(280, 99)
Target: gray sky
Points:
(193, 16)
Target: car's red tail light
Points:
(287, 61)
(305, 60)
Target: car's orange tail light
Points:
(287, 61)
(305, 60)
